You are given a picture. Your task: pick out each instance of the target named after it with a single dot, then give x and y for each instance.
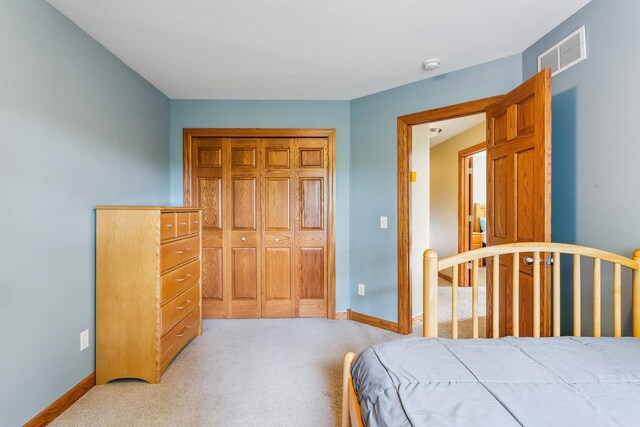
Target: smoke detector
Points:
(434, 132)
(430, 64)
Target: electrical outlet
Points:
(383, 222)
(84, 339)
(360, 289)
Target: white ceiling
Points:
(307, 49)
(453, 127)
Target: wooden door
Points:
(278, 183)
(311, 195)
(241, 234)
(519, 194)
(207, 175)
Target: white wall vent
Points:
(565, 54)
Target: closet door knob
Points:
(277, 239)
(528, 260)
(243, 238)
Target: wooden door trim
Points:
(464, 191)
(404, 193)
(330, 134)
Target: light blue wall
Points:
(595, 141)
(77, 128)
(275, 114)
(373, 259)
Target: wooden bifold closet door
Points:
(267, 222)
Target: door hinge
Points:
(469, 266)
(470, 171)
(470, 218)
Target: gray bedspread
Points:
(563, 381)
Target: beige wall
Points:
(444, 189)
(480, 178)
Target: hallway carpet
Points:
(270, 372)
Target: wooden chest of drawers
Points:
(148, 289)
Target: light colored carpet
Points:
(280, 372)
(464, 307)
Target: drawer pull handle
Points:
(183, 251)
(182, 332)
(183, 223)
(169, 225)
(184, 304)
(195, 222)
(243, 238)
(277, 239)
(184, 278)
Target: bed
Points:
(504, 381)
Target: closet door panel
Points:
(242, 236)
(208, 193)
(277, 272)
(277, 204)
(243, 194)
(212, 274)
(311, 227)
(278, 292)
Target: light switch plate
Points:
(383, 222)
(84, 339)
(360, 289)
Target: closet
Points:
(267, 232)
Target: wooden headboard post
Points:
(430, 294)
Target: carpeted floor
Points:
(280, 372)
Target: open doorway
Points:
(472, 204)
(435, 196)
(518, 199)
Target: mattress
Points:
(564, 381)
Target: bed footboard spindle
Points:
(474, 298)
(556, 294)
(597, 317)
(430, 297)
(515, 305)
(536, 294)
(495, 298)
(577, 315)
(454, 303)
(617, 300)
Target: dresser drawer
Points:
(182, 219)
(174, 253)
(176, 309)
(167, 226)
(178, 337)
(194, 222)
(178, 280)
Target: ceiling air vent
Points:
(565, 54)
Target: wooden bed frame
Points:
(351, 414)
